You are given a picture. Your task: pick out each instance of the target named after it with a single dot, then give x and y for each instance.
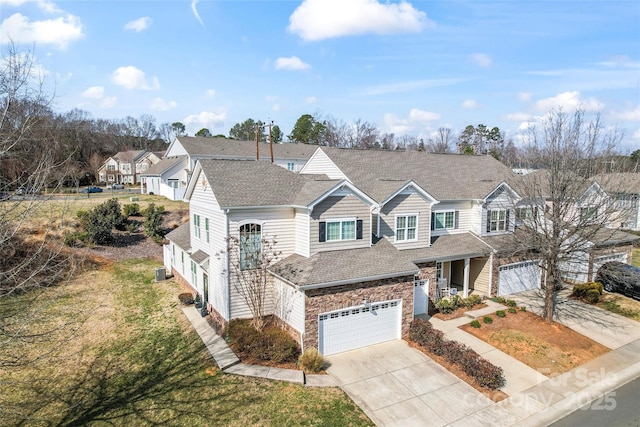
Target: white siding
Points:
(297, 164)
(175, 149)
(289, 305)
(320, 163)
(340, 207)
(302, 221)
(409, 202)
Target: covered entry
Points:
(359, 326)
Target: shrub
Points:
(98, 227)
(422, 332)
(111, 210)
(589, 291)
(186, 298)
(472, 301)
(500, 300)
(75, 239)
(512, 310)
(132, 227)
(523, 308)
(510, 303)
(132, 209)
(153, 223)
(271, 343)
(475, 324)
(311, 361)
(446, 305)
(487, 319)
(81, 213)
(501, 313)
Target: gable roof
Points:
(628, 183)
(128, 156)
(443, 176)
(163, 165)
(224, 148)
(181, 236)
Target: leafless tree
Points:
(563, 212)
(441, 143)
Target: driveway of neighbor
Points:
(397, 385)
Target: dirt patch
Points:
(458, 312)
(495, 395)
(549, 348)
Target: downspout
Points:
(228, 266)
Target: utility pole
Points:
(257, 146)
(271, 140)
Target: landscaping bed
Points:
(459, 312)
(549, 348)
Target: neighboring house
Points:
(125, 167)
(624, 191)
(170, 176)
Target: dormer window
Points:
(340, 229)
(497, 220)
(406, 228)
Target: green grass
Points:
(635, 257)
(621, 305)
(136, 361)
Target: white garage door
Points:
(359, 326)
(518, 277)
(598, 261)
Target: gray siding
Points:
(499, 200)
(466, 217)
(407, 203)
(335, 207)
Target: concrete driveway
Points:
(397, 385)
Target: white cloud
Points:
(629, 115)
(131, 77)
(208, 119)
(45, 5)
(291, 63)
(470, 104)
(517, 117)
(160, 104)
(568, 100)
(210, 93)
(94, 92)
(317, 20)
(525, 96)
(416, 115)
(194, 9)
(108, 102)
(58, 32)
(275, 107)
(139, 24)
(481, 59)
(310, 100)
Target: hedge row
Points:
(485, 373)
(269, 344)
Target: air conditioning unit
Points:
(161, 274)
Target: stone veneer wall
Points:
(318, 301)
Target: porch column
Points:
(465, 291)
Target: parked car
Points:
(91, 190)
(115, 186)
(619, 277)
(23, 191)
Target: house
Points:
(367, 239)
(169, 177)
(125, 167)
(624, 191)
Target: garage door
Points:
(359, 326)
(518, 277)
(598, 261)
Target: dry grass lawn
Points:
(549, 348)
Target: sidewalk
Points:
(228, 362)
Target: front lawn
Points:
(549, 348)
(620, 304)
(137, 361)
(635, 257)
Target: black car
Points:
(620, 277)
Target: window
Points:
(589, 213)
(250, 244)
(439, 270)
(526, 213)
(406, 228)
(111, 167)
(445, 220)
(196, 225)
(182, 260)
(291, 166)
(340, 229)
(194, 274)
(206, 228)
(497, 220)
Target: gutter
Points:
(359, 279)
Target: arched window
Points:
(250, 244)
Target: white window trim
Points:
(497, 221)
(341, 220)
(435, 227)
(196, 226)
(291, 166)
(395, 228)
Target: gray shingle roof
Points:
(610, 236)
(199, 256)
(628, 183)
(446, 247)
(234, 149)
(181, 236)
(128, 156)
(163, 165)
(243, 183)
(382, 260)
(444, 176)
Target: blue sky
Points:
(407, 67)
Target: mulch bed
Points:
(458, 313)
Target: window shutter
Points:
(488, 221)
(456, 224)
(433, 220)
(322, 232)
(507, 214)
(359, 229)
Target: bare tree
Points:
(441, 142)
(250, 256)
(563, 213)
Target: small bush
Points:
(153, 222)
(589, 292)
(523, 308)
(271, 343)
(501, 313)
(487, 319)
(75, 239)
(512, 310)
(510, 303)
(131, 227)
(132, 209)
(472, 301)
(422, 332)
(500, 300)
(475, 324)
(446, 305)
(81, 213)
(311, 361)
(186, 298)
